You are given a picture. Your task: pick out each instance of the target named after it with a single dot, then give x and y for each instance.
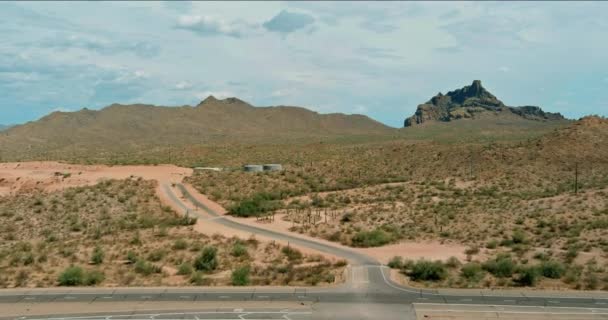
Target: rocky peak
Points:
(469, 102)
(208, 100)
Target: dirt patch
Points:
(416, 250)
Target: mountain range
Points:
(136, 127)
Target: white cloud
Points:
(183, 85)
(504, 69)
(206, 25)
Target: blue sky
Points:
(377, 58)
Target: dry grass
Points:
(141, 242)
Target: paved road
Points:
(355, 297)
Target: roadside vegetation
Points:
(117, 233)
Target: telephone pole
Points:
(576, 178)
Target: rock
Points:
(470, 102)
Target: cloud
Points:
(287, 22)
(101, 45)
(179, 6)
(183, 85)
(379, 53)
(504, 69)
(378, 26)
(213, 26)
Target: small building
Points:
(253, 168)
(273, 167)
(207, 169)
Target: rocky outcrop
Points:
(470, 102)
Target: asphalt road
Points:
(370, 287)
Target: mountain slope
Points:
(4, 127)
(473, 102)
(117, 127)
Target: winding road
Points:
(368, 293)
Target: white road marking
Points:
(509, 300)
(263, 297)
(466, 299)
(224, 297)
(184, 314)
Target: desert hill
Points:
(117, 127)
(473, 102)
(4, 127)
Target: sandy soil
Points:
(52, 176)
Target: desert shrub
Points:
(552, 269)
(185, 269)
(71, 276)
(374, 238)
(492, 244)
(97, 256)
(256, 205)
(292, 254)
(180, 244)
(206, 260)
(197, 279)
(528, 276)
(396, 262)
(591, 280)
(238, 250)
(131, 257)
(156, 255)
(428, 271)
(93, 277)
(519, 237)
(502, 266)
(452, 263)
(472, 271)
(146, 268)
(240, 276)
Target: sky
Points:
(380, 59)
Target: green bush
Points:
(552, 269)
(197, 279)
(180, 244)
(156, 255)
(239, 250)
(472, 271)
(185, 269)
(97, 256)
(374, 238)
(146, 268)
(528, 276)
(492, 244)
(502, 266)
(240, 276)
(256, 205)
(292, 254)
(396, 263)
(131, 257)
(519, 237)
(428, 271)
(72, 276)
(94, 277)
(207, 260)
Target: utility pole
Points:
(576, 178)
